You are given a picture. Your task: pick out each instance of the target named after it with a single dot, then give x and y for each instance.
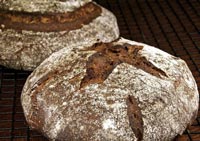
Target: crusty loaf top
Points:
(42, 6)
(49, 22)
(26, 49)
(123, 91)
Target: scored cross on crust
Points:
(108, 56)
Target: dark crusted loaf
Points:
(122, 90)
(31, 30)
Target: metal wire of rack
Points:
(173, 26)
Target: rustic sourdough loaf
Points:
(122, 90)
(31, 30)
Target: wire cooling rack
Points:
(171, 25)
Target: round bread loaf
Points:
(122, 90)
(31, 30)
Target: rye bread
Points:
(30, 31)
(123, 90)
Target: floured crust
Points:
(27, 49)
(49, 22)
(108, 56)
(55, 104)
(42, 6)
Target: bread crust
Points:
(42, 6)
(49, 22)
(27, 49)
(161, 106)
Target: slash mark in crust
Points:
(101, 64)
(135, 117)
